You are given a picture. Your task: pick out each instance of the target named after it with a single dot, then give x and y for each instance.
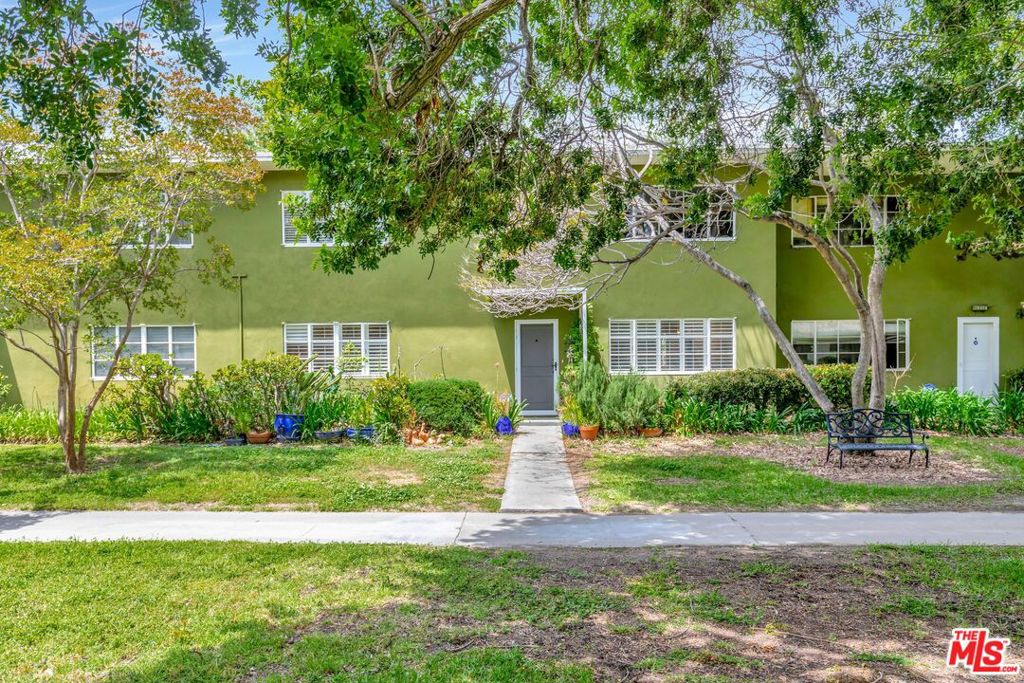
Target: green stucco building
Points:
(950, 323)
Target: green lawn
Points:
(201, 611)
(249, 477)
(626, 476)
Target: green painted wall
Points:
(932, 289)
(436, 329)
(668, 284)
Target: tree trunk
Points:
(860, 374)
(877, 328)
(74, 457)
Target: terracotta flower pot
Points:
(258, 437)
(589, 432)
(651, 432)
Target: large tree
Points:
(91, 242)
(519, 125)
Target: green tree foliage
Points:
(59, 63)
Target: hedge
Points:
(448, 405)
(765, 387)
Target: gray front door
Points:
(537, 366)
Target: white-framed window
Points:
(671, 346)
(851, 231)
(290, 236)
(353, 349)
(176, 344)
(719, 225)
(823, 342)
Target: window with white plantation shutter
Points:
(620, 345)
(290, 236)
(671, 346)
(721, 336)
(354, 349)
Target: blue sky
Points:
(239, 53)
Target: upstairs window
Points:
(290, 236)
(353, 349)
(671, 346)
(851, 231)
(720, 222)
(825, 342)
(176, 344)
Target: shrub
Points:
(694, 416)
(1015, 380)
(255, 390)
(947, 410)
(1011, 411)
(143, 405)
(392, 409)
(630, 403)
(448, 405)
(588, 390)
(760, 387)
(835, 381)
(763, 388)
(199, 411)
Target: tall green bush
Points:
(448, 405)
(259, 388)
(392, 408)
(588, 390)
(631, 402)
(142, 406)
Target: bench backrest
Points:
(865, 422)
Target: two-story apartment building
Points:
(950, 323)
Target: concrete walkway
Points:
(538, 478)
(510, 530)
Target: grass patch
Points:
(698, 481)
(882, 658)
(346, 478)
(210, 612)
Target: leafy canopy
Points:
(59, 63)
(527, 129)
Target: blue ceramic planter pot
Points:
(331, 435)
(504, 426)
(288, 425)
(570, 430)
(364, 433)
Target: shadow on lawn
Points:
(567, 615)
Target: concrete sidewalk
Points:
(538, 477)
(512, 530)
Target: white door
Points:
(978, 355)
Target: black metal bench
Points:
(865, 430)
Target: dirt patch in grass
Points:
(808, 455)
(394, 477)
(708, 615)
